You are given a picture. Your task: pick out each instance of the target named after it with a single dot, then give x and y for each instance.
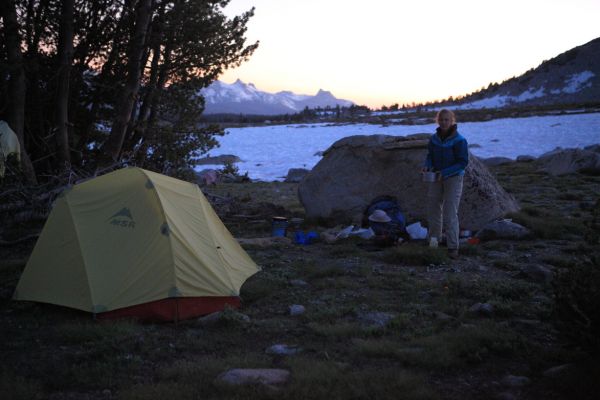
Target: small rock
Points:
(484, 309)
(525, 158)
(297, 309)
(219, 316)
(558, 371)
(376, 319)
(493, 161)
(209, 319)
(283, 349)
(264, 376)
(410, 350)
(298, 282)
(107, 392)
(506, 396)
(527, 322)
(295, 175)
(496, 254)
(503, 229)
(515, 381)
(207, 177)
(593, 147)
(442, 316)
(537, 273)
(541, 299)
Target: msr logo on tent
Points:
(123, 219)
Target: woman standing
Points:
(448, 156)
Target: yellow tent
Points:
(136, 243)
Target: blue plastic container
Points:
(279, 226)
(305, 238)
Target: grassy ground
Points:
(431, 346)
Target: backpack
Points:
(394, 229)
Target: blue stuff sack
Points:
(305, 238)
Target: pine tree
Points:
(113, 80)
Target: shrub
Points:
(462, 346)
(411, 254)
(337, 330)
(230, 168)
(16, 387)
(316, 379)
(546, 225)
(578, 293)
(560, 261)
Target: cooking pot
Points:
(430, 176)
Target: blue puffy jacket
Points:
(449, 156)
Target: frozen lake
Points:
(268, 152)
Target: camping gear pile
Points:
(386, 219)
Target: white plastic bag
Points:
(363, 233)
(343, 234)
(416, 231)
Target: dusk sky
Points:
(381, 52)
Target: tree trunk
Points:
(65, 56)
(16, 87)
(125, 106)
(155, 86)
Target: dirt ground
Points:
(378, 323)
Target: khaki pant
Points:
(443, 201)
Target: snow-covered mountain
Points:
(572, 77)
(242, 98)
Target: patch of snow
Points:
(387, 113)
(576, 82)
(499, 101)
(496, 101)
(268, 152)
(529, 94)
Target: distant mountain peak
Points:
(324, 93)
(241, 98)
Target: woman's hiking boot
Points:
(453, 253)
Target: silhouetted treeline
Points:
(86, 83)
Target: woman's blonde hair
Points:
(447, 112)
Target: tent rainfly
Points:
(134, 243)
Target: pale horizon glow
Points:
(391, 51)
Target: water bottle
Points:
(433, 242)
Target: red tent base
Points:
(173, 309)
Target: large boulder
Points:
(356, 169)
(569, 161)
